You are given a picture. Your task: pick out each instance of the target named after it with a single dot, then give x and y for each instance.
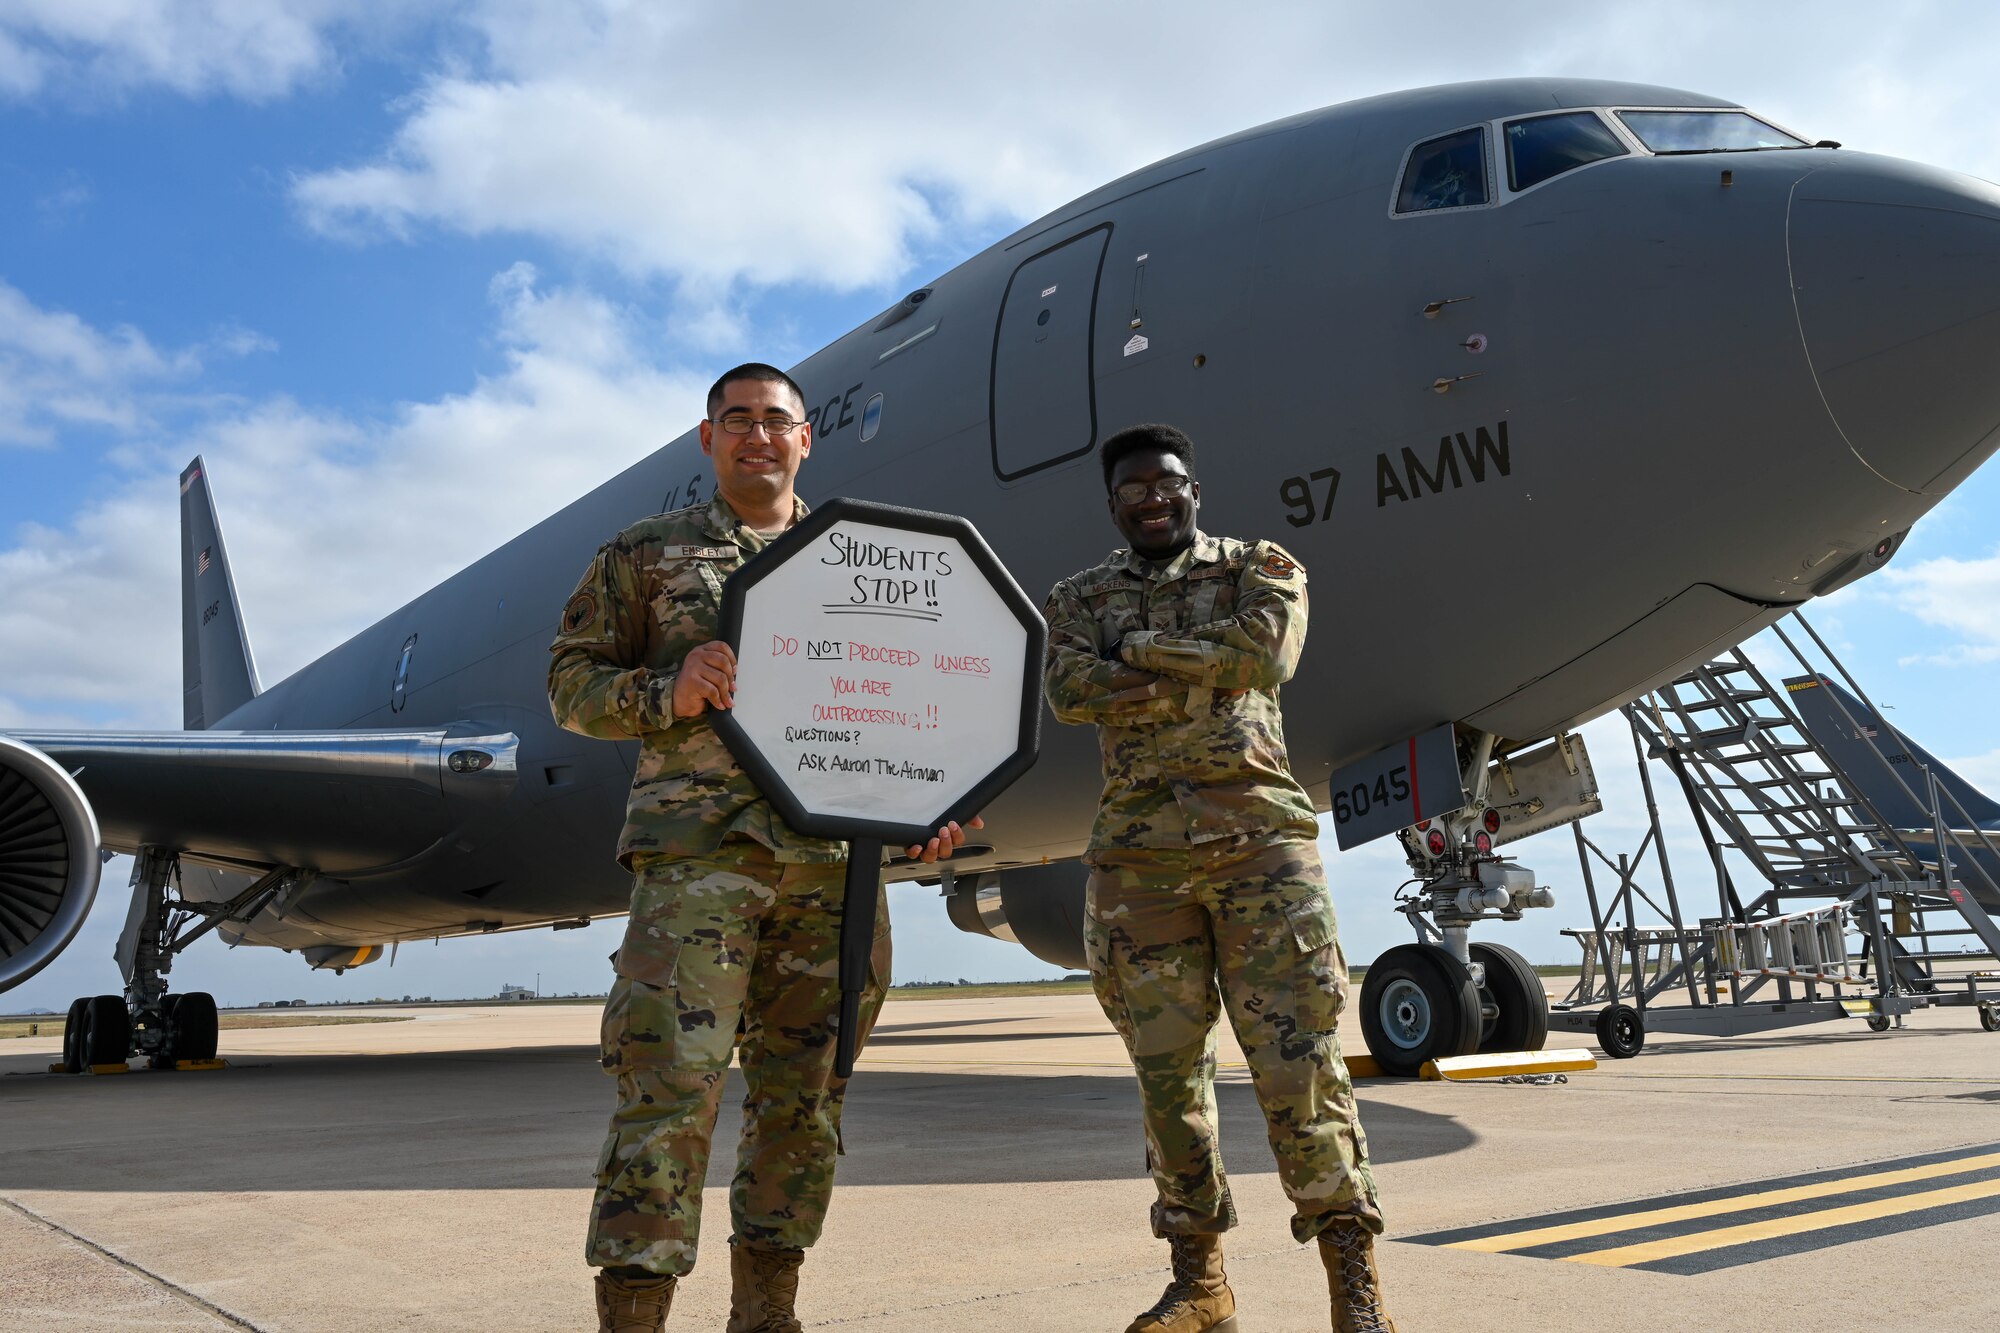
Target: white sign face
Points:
(880, 673)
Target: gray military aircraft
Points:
(1555, 386)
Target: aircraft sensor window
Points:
(1447, 172)
(1546, 146)
(1706, 131)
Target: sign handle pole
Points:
(857, 943)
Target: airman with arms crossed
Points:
(1206, 892)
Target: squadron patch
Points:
(1275, 566)
(582, 609)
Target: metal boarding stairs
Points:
(1834, 870)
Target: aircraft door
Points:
(1043, 408)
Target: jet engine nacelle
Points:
(49, 860)
(1039, 908)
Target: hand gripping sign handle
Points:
(857, 945)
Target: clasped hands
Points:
(707, 679)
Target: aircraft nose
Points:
(1896, 276)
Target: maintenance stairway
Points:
(1759, 783)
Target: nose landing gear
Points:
(1418, 1003)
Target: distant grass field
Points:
(53, 1025)
(981, 989)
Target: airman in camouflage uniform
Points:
(1206, 891)
(733, 939)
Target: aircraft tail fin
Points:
(1876, 756)
(218, 674)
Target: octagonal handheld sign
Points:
(887, 681)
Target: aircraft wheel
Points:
(1418, 1003)
(1521, 1006)
(1989, 1017)
(1621, 1031)
(195, 1027)
(1878, 1022)
(79, 1014)
(107, 1031)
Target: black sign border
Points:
(775, 784)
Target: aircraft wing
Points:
(337, 802)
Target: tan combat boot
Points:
(1198, 1299)
(763, 1285)
(1348, 1251)
(633, 1305)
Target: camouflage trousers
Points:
(734, 950)
(1243, 924)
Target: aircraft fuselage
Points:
(1536, 455)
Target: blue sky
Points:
(357, 252)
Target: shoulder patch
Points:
(582, 609)
(1277, 565)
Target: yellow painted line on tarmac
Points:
(1675, 1246)
(1520, 1240)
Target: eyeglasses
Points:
(774, 427)
(1172, 486)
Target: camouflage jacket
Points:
(653, 593)
(1192, 741)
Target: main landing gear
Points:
(167, 1031)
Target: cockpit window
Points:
(1705, 131)
(1447, 172)
(1546, 146)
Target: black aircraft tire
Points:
(107, 1031)
(1621, 1031)
(1516, 991)
(79, 1016)
(1418, 1003)
(195, 1027)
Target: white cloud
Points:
(66, 201)
(620, 131)
(98, 47)
(326, 515)
(628, 132)
(1981, 770)
(58, 372)
(1962, 596)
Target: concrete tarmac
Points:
(434, 1174)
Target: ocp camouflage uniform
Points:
(733, 940)
(1205, 870)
